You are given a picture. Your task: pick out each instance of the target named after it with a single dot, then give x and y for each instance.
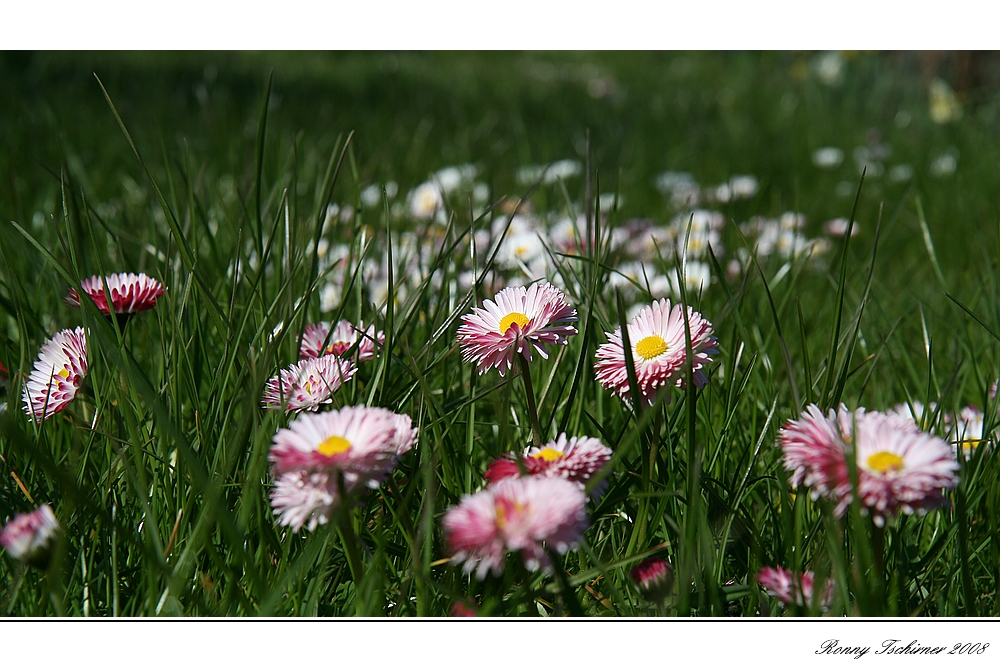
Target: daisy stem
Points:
(345, 528)
(878, 553)
(536, 431)
(568, 595)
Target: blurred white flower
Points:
(944, 105)
(838, 227)
(829, 68)
(607, 200)
(521, 248)
(371, 196)
(425, 201)
(900, 173)
(792, 220)
(452, 178)
(944, 164)
(868, 161)
(743, 186)
(696, 278)
(828, 157)
(329, 298)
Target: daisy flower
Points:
(792, 588)
(967, 429)
(58, 373)
(575, 459)
(28, 536)
(654, 578)
(130, 293)
(464, 609)
(518, 321)
(307, 384)
(900, 468)
(353, 446)
(318, 340)
(522, 514)
(657, 338)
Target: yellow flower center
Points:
(885, 461)
(548, 454)
(651, 346)
(64, 372)
(502, 509)
(334, 445)
(513, 318)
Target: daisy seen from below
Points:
(900, 468)
(27, 537)
(318, 340)
(130, 293)
(307, 384)
(58, 373)
(518, 321)
(576, 459)
(355, 447)
(792, 588)
(657, 339)
(521, 514)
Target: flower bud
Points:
(29, 537)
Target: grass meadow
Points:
(270, 191)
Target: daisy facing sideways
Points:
(320, 455)
(27, 537)
(792, 588)
(659, 351)
(58, 373)
(130, 293)
(318, 340)
(575, 459)
(518, 321)
(307, 384)
(525, 515)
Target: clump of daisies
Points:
(899, 467)
(659, 352)
(57, 375)
(322, 460)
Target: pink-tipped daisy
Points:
(654, 578)
(899, 467)
(659, 352)
(318, 340)
(27, 537)
(518, 321)
(130, 293)
(792, 588)
(576, 459)
(521, 514)
(58, 373)
(355, 446)
(307, 384)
